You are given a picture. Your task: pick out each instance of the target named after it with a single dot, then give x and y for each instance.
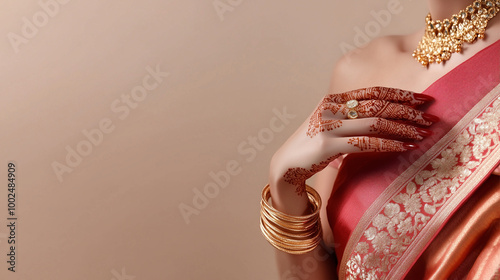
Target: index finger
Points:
(395, 95)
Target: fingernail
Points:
(423, 132)
(423, 97)
(430, 118)
(410, 146)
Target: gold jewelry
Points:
(288, 233)
(352, 105)
(443, 38)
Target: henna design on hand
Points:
(381, 93)
(381, 104)
(378, 144)
(298, 176)
(383, 126)
(316, 122)
(375, 108)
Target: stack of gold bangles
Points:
(291, 234)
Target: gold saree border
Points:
(434, 224)
(352, 264)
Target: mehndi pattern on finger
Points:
(376, 144)
(380, 93)
(387, 127)
(298, 176)
(375, 108)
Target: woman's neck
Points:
(441, 9)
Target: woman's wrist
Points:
(285, 198)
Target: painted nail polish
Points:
(423, 97)
(410, 146)
(424, 132)
(430, 118)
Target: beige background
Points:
(116, 214)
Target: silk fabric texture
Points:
(430, 213)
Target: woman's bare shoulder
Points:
(361, 67)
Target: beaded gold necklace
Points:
(442, 38)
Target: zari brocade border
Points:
(399, 225)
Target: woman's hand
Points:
(375, 119)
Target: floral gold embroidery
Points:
(398, 224)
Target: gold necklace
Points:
(443, 38)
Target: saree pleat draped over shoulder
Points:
(431, 213)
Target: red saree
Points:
(397, 216)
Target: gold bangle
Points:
(289, 233)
